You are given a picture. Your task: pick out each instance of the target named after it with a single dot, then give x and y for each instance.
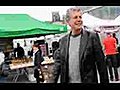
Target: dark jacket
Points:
(38, 58)
(37, 63)
(91, 58)
(20, 52)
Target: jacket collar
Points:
(83, 43)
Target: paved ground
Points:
(14, 77)
(119, 77)
(23, 78)
(114, 80)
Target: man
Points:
(55, 46)
(114, 35)
(80, 54)
(110, 47)
(19, 51)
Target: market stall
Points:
(20, 65)
(23, 25)
(47, 67)
(16, 26)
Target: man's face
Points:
(34, 49)
(75, 21)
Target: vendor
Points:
(19, 51)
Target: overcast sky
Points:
(43, 13)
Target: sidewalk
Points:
(114, 80)
(23, 79)
(119, 77)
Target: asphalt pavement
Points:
(24, 78)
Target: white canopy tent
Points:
(95, 23)
(117, 19)
(90, 21)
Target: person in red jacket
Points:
(110, 50)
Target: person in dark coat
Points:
(37, 58)
(19, 51)
(114, 35)
(80, 54)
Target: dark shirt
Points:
(20, 52)
(116, 40)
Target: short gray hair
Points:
(72, 10)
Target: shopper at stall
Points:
(55, 46)
(37, 58)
